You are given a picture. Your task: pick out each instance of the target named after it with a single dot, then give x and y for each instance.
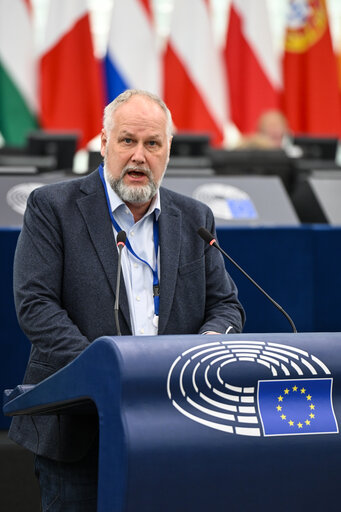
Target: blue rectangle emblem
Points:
(294, 407)
(242, 208)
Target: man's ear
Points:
(104, 141)
(170, 140)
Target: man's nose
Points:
(139, 154)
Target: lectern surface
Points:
(194, 423)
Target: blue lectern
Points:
(244, 422)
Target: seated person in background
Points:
(272, 130)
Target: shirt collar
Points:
(116, 202)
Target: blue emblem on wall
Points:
(226, 202)
(242, 208)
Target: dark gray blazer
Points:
(64, 285)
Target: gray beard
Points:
(133, 194)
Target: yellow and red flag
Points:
(311, 97)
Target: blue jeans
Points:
(68, 486)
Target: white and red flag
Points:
(194, 85)
(252, 67)
(71, 88)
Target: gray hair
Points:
(124, 97)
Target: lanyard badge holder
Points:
(156, 285)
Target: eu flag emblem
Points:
(242, 208)
(293, 407)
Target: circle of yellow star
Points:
(291, 423)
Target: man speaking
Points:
(65, 274)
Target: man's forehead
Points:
(132, 130)
(130, 120)
(140, 107)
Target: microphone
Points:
(209, 238)
(120, 242)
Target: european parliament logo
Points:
(295, 400)
(226, 202)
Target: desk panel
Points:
(298, 267)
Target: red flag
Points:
(71, 88)
(311, 96)
(251, 64)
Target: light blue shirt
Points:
(138, 277)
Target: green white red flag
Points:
(18, 90)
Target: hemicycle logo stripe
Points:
(17, 196)
(198, 390)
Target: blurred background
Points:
(235, 56)
(254, 88)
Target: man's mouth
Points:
(136, 174)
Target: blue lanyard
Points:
(156, 286)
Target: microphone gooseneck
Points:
(120, 242)
(209, 238)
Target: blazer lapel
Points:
(93, 207)
(170, 233)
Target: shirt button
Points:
(132, 233)
(142, 331)
(138, 298)
(135, 265)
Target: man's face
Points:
(136, 151)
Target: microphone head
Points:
(206, 235)
(121, 238)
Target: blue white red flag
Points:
(132, 60)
